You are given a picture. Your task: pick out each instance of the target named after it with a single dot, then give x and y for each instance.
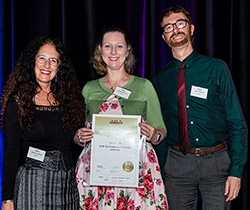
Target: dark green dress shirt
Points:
(213, 117)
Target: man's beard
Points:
(172, 44)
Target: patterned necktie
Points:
(182, 110)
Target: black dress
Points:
(34, 184)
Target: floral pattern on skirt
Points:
(150, 195)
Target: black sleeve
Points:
(12, 148)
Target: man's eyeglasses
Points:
(179, 24)
(43, 59)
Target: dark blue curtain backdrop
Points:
(221, 30)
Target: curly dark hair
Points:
(66, 90)
(100, 66)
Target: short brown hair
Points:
(176, 9)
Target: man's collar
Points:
(187, 60)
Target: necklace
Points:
(51, 101)
(116, 84)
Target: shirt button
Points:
(187, 106)
(197, 139)
(191, 122)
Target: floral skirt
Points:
(149, 196)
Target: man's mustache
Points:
(176, 34)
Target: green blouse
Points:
(142, 101)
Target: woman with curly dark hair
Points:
(42, 107)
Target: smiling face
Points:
(44, 71)
(114, 50)
(178, 37)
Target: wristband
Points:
(158, 137)
(7, 201)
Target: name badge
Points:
(199, 92)
(36, 154)
(122, 92)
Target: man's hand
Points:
(232, 188)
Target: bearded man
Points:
(207, 132)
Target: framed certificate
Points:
(115, 150)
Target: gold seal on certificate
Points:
(128, 166)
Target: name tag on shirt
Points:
(36, 154)
(122, 92)
(199, 92)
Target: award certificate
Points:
(115, 150)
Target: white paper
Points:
(199, 92)
(122, 92)
(115, 153)
(36, 154)
(115, 162)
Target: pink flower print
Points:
(104, 107)
(121, 203)
(87, 169)
(141, 192)
(100, 191)
(149, 184)
(142, 174)
(151, 157)
(95, 204)
(108, 188)
(109, 196)
(78, 161)
(157, 168)
(152, 196)
(86, 158)
(114, 106)
(77, 181)
(145, 166)
(164, 204)
(158, 182)
(131, 204)
(88, 203)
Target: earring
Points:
(56, 78)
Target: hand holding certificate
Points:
(115, 150)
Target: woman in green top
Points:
(114, 59)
